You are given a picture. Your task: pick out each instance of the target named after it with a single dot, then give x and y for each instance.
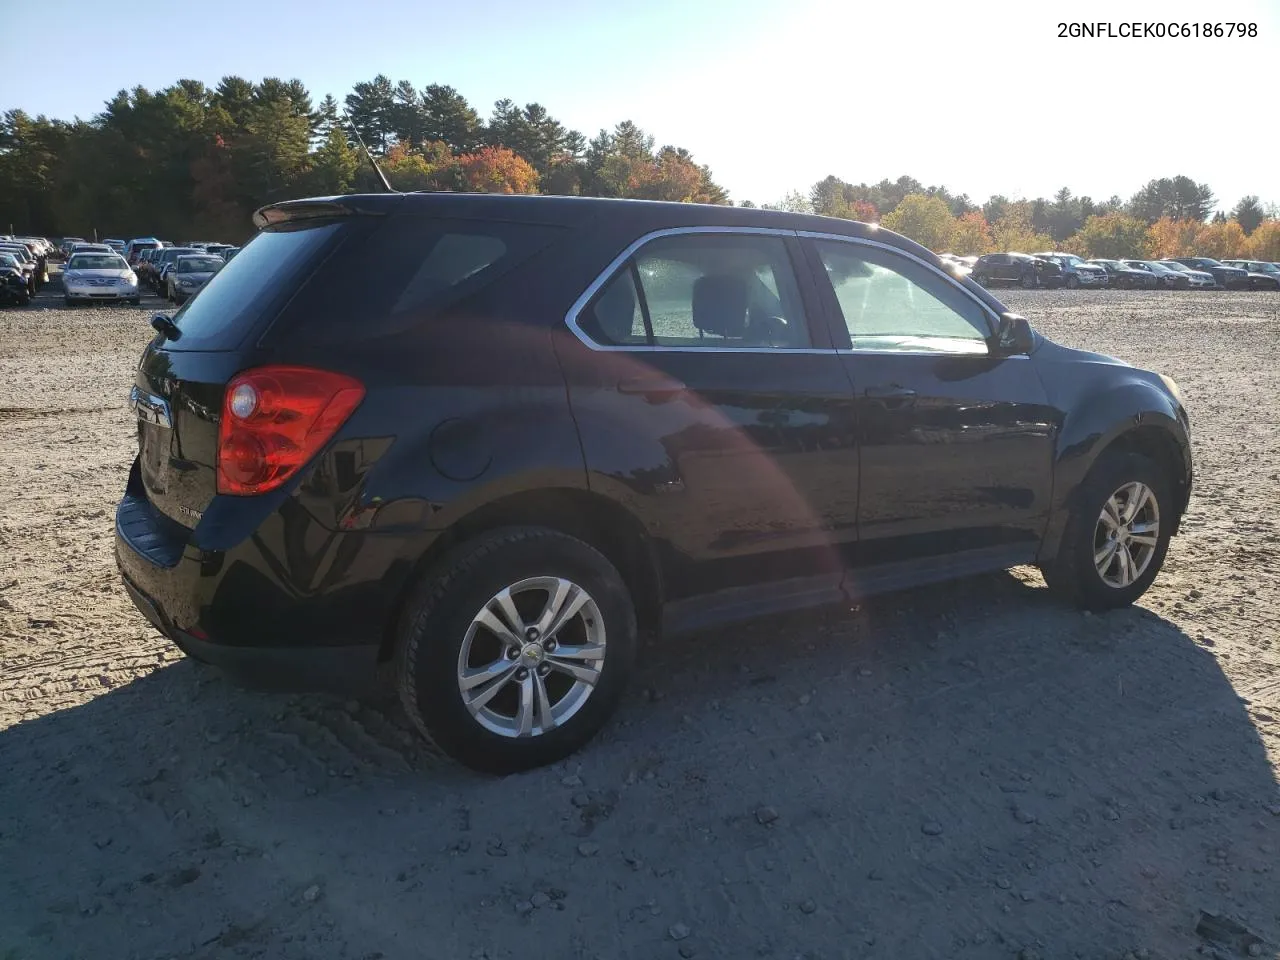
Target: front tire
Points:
(1028, 281)
(1117, 534)
(516, 649)
(1072, 283)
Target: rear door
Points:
(956, 444)
(708, 396)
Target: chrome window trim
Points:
(571, 318)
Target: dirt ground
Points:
(968, 771)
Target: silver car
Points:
(99, 276)
(189, 275)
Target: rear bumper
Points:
(337, 669)
(307, 610)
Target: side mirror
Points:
(1013, 336)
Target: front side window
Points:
(702, 290)
(892, 303)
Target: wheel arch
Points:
(591, 517)
(1153, 424)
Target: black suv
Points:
(480, 440)
(1019, 268)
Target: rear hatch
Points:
(319, 285)
(179, 386)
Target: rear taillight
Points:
(274, 420)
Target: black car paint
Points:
(758, 482)
(1123, 277)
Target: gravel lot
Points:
(967, 771)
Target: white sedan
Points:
(99, 276)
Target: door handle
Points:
(891, 394)
(652, 387)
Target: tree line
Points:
(190, 160)
(1168, 217)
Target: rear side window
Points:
(252, 286)
(398, 272)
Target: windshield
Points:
(8, 260)
(1174, 265)
(198, 264)
(96, 261)
(19, 252)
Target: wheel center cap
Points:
(531, 654)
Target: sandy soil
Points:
(971, 771)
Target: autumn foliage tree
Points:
(497, 170)
(1221, 240)
(1172, 238)
(971, 235)
(1264, 242)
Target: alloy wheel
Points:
(531, 657)
(1126, 535)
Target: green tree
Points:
(371, 108)
(1249, 214)
(924, 219)
(1113, 236)
(334, 165)
(448, 117)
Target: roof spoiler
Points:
(319, 208)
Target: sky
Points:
(982, 97)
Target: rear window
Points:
(251, 287)
(395, 273)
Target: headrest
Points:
(720, 304)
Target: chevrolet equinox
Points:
(476, 442)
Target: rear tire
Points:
(1090, 568)
(1028, 281)
(440, 637)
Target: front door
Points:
(956, 443)
(709, 398)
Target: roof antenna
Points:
(382, 177)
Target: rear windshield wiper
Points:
(163, 324)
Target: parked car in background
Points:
(1026, 271)
(228, 254)
(1196, 279)
(116, 245)
(189, 275)
(66, 244)
(137, 245)
(487, 482)
(1124, 277)
(217, 249)
(90, 248)
(98, 276)
(1076, 271)
(36, 251)
(163, 263)
(1166, 278)
(1232, 278)
(27, 263)
(15, 287)
(1262, 274)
